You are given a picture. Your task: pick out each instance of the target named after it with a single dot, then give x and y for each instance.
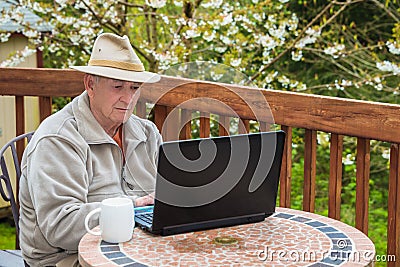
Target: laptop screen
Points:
(217, 178)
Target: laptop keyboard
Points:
(146, 217)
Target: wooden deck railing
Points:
(339, 117)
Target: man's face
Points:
(112, 101)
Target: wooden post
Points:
(310, 155)
(204, 124)
(224, 125)
(393, 230)
(362, 184)
(335, 176)
(286, 169)
(244, 126)
(186, 119)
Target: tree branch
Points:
(344, 5)
(129, 4)
(382, 6)
(110, 26)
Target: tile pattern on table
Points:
(199, 248)
(303, 239)
(349, 246)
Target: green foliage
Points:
(7, 236)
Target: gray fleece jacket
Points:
(70, 165)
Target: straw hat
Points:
(113, 57)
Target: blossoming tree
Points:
(328, 48)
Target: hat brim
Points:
(119, 74)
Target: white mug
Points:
(116, 220)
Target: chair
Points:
(7, 192)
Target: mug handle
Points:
(90, 214)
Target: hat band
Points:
(116, 64)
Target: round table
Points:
(287, 238)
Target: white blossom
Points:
(293, 23)
(257, 17)
(271, 77)
(236, 62)
(212, 4)
(216, 76)
(156, 3)
(226, 40)
(18, 57)
(322, 138)
(65, 20)
(209, 37)
(181, 21)
(178, 3)
(233, 29)
(75, 39)
(228, 19)
(338, 85)
(346, 82)
(4, 37)
(386, 154)
(30, 33)
(266, 41)
(220, 49)
(310, 38)
(297, 55)
(191, 33)
(348, 160)
(285, 81)
(278, 32)
(335, 50)
(165, 19)
(394, 48)
(388, 66)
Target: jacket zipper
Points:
(122, 178)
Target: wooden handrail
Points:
(176, 98)
(371, 120)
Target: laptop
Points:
(214, 182)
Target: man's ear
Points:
(88, 81)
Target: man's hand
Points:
(145, 201)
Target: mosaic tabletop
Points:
(287, 238)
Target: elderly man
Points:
(94, 148)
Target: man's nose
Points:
(127, 94)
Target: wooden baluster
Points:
(141, 109)
(362, 184)
(286, 169)
(244, 126)
(204, 125)
(310, 155)
(186, 120)
(45, 107)
(224, 124)
(45, 102)
(160, 114)
(172, 125)
(20, 146)
(335, 176)
(20, 123)
(264, 126)
(393, 229)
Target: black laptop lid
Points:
(214, 179)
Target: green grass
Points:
(7, 235)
